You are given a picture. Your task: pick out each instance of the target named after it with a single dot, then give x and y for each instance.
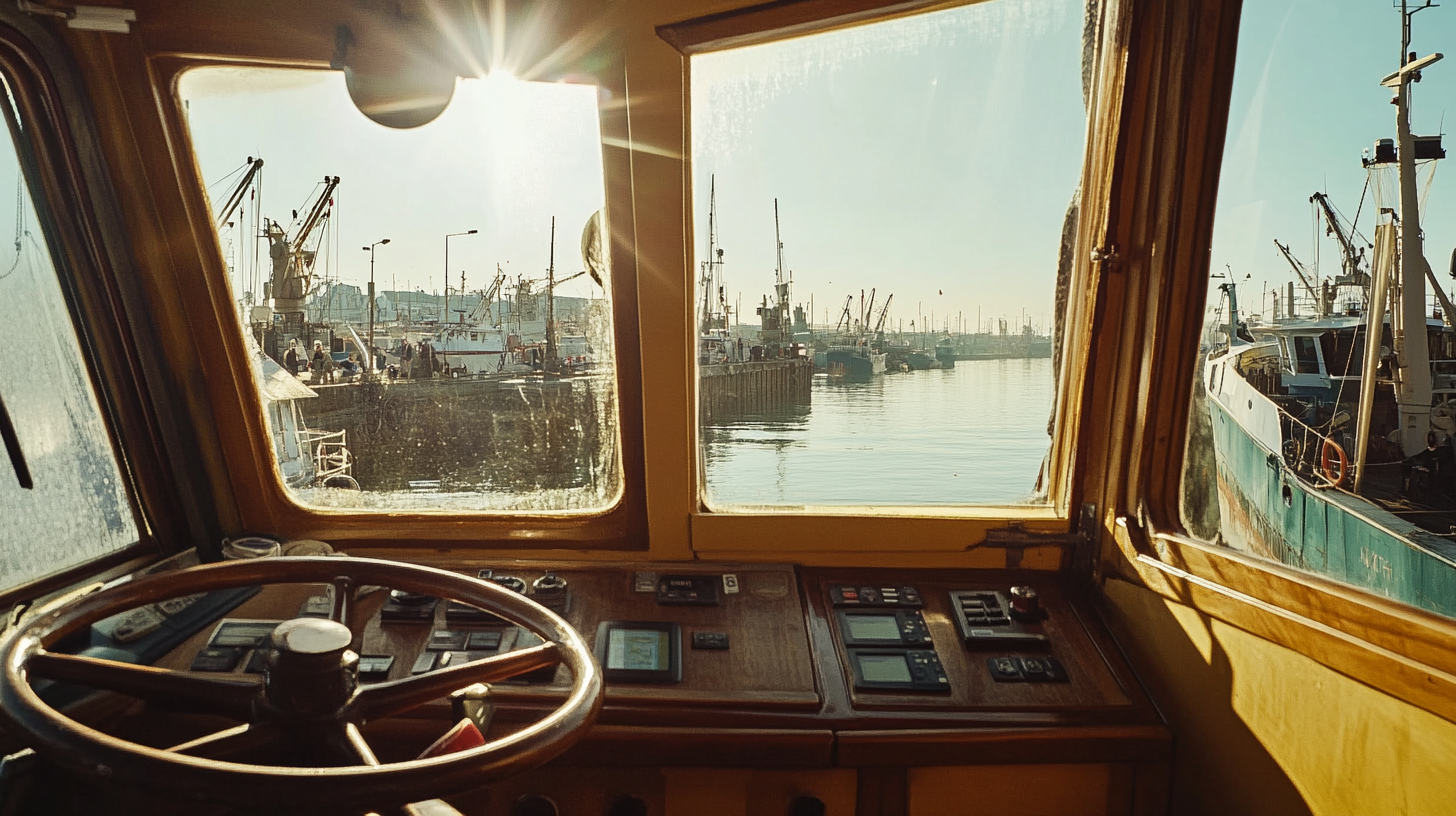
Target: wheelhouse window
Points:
(61, 485)
(879, 216)
(426, 309)
(1331, 218)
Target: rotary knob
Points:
(1024, 603)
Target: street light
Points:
(446, 312)
(370, 350)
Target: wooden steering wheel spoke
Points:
(230, 697)
(229, 742)
(385, 699)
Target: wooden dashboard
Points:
(780, 714)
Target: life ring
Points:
(1331, 454)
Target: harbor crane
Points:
(1303, 274)
(1352, 257)
(884, 312)
(846, 320)
(293, 254)
(235, 195)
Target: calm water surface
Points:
(974, 434)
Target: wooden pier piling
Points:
(728, 390)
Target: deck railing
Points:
(1308, 453)
(331, 456)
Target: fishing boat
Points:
(1334, 453)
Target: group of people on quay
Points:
(416, 361)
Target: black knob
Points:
(534, 804)
(627, 806)
(806, 805)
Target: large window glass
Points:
(63, 498)
(427, 308)
(1324, 402)
(879, 214)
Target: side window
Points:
(62, 494)
(1305, 356)
(1350, 477)
(880, 213)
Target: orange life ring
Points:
(1330, 454)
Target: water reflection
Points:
(974, 434)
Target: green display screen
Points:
(884, 668)
(638, 650)
(873, 627)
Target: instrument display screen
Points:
(884, 668)
(873, 627)
(638, 649)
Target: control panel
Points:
(886, 642)
(985, 621)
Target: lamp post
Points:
(370, 350)
(445, 313)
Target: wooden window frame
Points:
(924, 535)
(1181, 65)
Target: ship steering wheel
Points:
(308, 696)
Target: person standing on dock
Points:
(406, 358)
(290, 358)
(320, 363)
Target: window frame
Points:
(70, 191)
(941, 535)
(1182, 62)
(259, 498)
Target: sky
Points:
(1306, 101)
(504, 158)
(932, 158)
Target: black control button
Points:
(375, 667)
(710, 640)
(445, 641)
(483, 641)
(217, 659)
(426, 662)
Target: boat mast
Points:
(1413, 395)
(781, 289)
(712, 267)
(551, 303)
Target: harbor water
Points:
(968, 435)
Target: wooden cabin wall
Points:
(1262, 729)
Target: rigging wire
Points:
(19, 224)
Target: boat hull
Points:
(1267, 509)
(853, 366)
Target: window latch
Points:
(85, 18)
(1105, 254)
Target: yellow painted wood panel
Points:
(1003, 790)
(1261, 729)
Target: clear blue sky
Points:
(1306, 101)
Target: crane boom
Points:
(884, 312)
(1299, 270)
(1351, 256)
(236, 197)
(292, 259)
